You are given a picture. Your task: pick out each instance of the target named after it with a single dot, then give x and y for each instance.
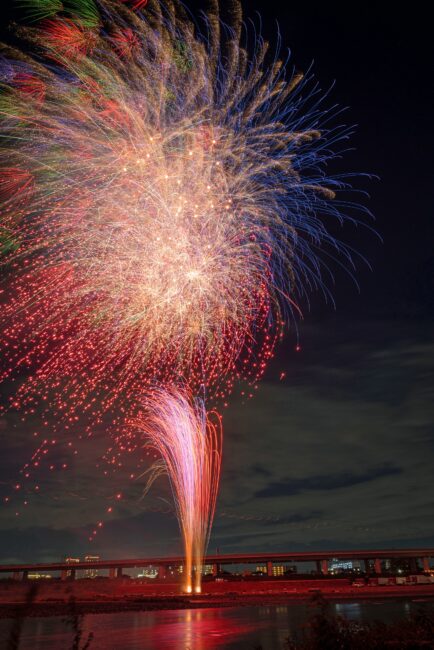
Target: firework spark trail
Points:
(189, 441)
(163, 193)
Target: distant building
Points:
(71, 560)
(91, 573)
(149, 572)
(207, 569)
(292, 568)
(343, 567)
(175, 570)
(39, 576)
(276, 570)
(261, 569)
(402, 565)
(279, 570)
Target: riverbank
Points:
(44, 602)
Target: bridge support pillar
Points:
(270, 569)
(25, 574)
(16, 575)
(367, 566)
(115, 572)
(215, 570)
(425, 562)
(377, 566)
(64, 574)
(72, 574)
(324, 567)
(161, 572)
(414, 568)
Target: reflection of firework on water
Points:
(163, 193)
(189, 444)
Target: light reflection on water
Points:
(351, 611)
(235, 628)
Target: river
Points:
(235, 628)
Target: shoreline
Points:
(83, 606)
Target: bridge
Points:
(418, 561)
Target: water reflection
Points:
(237, 628)
(351, 611)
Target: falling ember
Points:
(189, 442)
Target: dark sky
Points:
(339, 454)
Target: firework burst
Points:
(163, 194)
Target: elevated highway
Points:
(418, 559)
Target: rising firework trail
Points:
(165, 204)
(188, 440)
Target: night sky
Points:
(339, 453)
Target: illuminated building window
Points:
(91, 573)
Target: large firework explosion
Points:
(163, 194)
